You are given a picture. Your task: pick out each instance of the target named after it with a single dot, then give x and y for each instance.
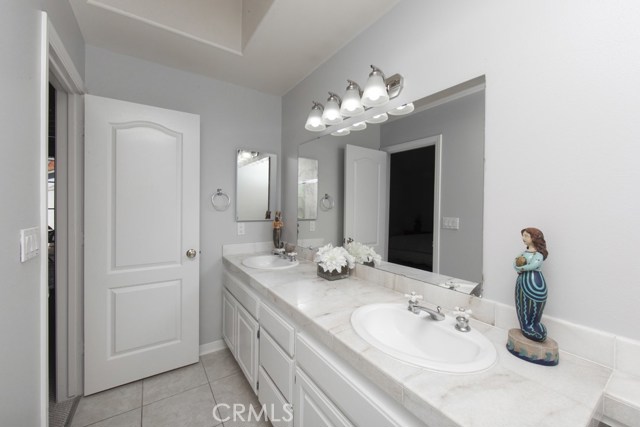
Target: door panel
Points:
(142, 238)
(141, 216)
(365, 213)
(152, 327)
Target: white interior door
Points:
(141, 219)
(365, 193)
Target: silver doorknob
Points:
(191, 253)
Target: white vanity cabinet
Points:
(276, 371)
(240, 327)
(300, 381)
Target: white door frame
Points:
(435, 140)
(60, 70)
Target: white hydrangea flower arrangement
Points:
(334, 258)
(363, 253)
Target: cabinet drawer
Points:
(279, 411)
(242, 293)
(277, 364)
(279, 329)
(355, 396)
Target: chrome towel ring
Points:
(220, 200)
(326, 202)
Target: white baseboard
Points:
(212, 346)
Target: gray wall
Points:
(561, 133)
(461, 123)
(231, 117)
(20, 175)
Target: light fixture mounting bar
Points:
(394, 84)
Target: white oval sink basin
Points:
(421, 341)
(268, 262)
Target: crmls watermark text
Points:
(242, 412)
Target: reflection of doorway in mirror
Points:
(307, 188)
(414, 204)
(411, 182)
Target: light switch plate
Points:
(241, 229)
(450, 223)
(29, 243)
(312, 226)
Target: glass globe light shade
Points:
(351, 103)
(375, 91)
(331, 114)
(314, 120)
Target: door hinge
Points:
(258, 333)
(257, 385)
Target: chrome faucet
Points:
(415, 308)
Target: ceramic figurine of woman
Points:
(531, 289)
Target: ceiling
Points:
(267, 45)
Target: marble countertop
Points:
(511, 393)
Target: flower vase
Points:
(333, 275)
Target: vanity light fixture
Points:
(331, 114)
(351, 102)
(402, 110)
(378, 118)
(377, 92)
(358, 126)
(314, 121)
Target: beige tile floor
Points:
(184, 397)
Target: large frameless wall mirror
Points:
(432, 195)
(307, 189)
(256, 185)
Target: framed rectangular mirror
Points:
(439, 242)
(256, 185)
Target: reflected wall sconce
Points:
(402, 110)
(377, 92)
(358, 126)
(341, 132)
(378, 118)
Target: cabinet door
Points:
(279, 411)
(229, 321)
(313, 408)
(247, 345)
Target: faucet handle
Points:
(413, 297)
(462, 312)
(462, 319)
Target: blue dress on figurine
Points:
(531, 288)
